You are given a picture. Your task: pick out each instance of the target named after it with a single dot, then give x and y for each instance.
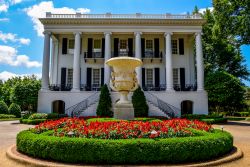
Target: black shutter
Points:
(102, 76)
(130, 47)
(157, 47)
(182, 78)
(143, 78)
(181, 46)
(89, 77)
(90, 47)
(103, 47)
(157, 78)
(64, 45)
(63, 78)
(116, 45)
(143, 47)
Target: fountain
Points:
(123, 80)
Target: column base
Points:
(44, 90)
(170, 90)
(124, 111)
(200, 90)
(75, 90)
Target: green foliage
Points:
(103, 120)
(247, 119)
(225, 92)
(32, 121)
(15, 110)
(241, 114)
(129, 151)
(105, 103)
(139, 103)
(6, 116)
(236, 118)
(214, 120)
(38, 116)
(3, 108)
(56, 116)
(200, 116)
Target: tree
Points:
(139, 103)
(105, 103)
(3, 108)
(25, 93)
(225, 92)
(233, 17)
(15, 109)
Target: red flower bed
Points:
(74, 127)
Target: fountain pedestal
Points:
(123, 80)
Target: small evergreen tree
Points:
(15, 109)
(105, 103)
(3, 108)
(139, 103)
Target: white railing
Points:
(123, 16)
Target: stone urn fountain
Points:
(123, 80)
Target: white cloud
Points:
(5, 75)
(4, 19)
(39, 11)
(5, 37)
(9, 56)
(16, 1)
(202, 10)
(4, 7)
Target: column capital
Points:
(107, 33)
(168, 33)
(47, 32)
(137, 33)
(198, 33)
(77, 33)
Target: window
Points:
(149, 77)
(174, 47)
(123, 44)
(149, 45)
(70, 77)
(97, 44)
(71, 43)
(175, 76)
(96, 77)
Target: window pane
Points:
(149, 44)
(97, 44)
(96, 76)
(175, 76)
(149, 77)
(123, 44)
(70, 77)
(71, 44)
(174, 47)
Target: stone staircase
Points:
(155, 111)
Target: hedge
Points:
(125, 151)
(214, 120)
(32, 121)
(7, 116)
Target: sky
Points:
(21, 38)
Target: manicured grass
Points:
(9, 119)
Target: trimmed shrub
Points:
(32, 121)
(214, 120)
(241, 114)
(248, 119)
(56, 116)
(129, 151)
(15, 109)
(105, 103)
(236, 118)
(26, 116)
(38, 116)
(6, 116)
(139, 103)
(3, 108)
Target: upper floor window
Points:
(174, 46)
(123, 44)
(97, 44)
(71, 43)
(149, 45)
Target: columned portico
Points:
(76, 64)
(46, 60)
(199, 62)
(107, 56)
(169, 66)
(138, 55)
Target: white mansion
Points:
(76, 47)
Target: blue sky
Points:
(21, 42)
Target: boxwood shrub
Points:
(125, 151)
(7, 116)
(32, 121)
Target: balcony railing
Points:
(122, 16)
(177, 87)
(96, 55)
(123, 53)
(68, 87)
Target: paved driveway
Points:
(240, 131)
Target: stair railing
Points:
(168, 109)
(77, 109)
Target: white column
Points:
(199, 62)
(107, 56)
(54, 62)
(138, 55)
(76, 65)
(46, 60)
(169, 66)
